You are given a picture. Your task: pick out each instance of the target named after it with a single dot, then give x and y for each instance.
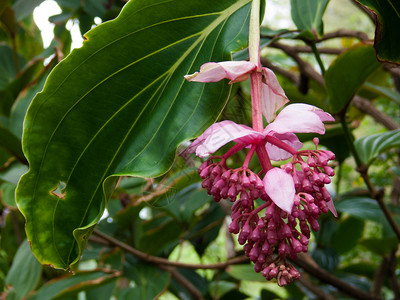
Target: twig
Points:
(183, 281)
(368, 108)
(305, 281)
(163, 261)
(311, 267)
(379, 278)
(392, 275)
(345, 33)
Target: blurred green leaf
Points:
(347, 235)
(207, 227)
(194, 278)
(245, 272)
(158, 234)
(24, 8)
(380, 246)
(25, 271)
(326, 258)
(362, 208)
(186, 202)
(8, 194)
(8, 71)
(383, 91)
(363, 269)
(348, 73)
(73, 284)
(149, 280)
(370, 146)
(105, 113)
(387, 37)
(13, 173)
(219, 288)
(11, 143)
(307, 15)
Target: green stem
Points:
(318, 57)
(350, 140)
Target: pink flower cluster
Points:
(293, 196)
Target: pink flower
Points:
(278, 136)
(294, 118)
(272, 95)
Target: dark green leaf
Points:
(347, 235)
(362, 269)
(25, 271)
(185, 203)
(158, 234)
(307, 15)
(11, 143)
(120, 106)
(207, 227)
(326, 258)
(380, 246)
(149, 280)
(362, 208)
(71, 285)
(369, 147)
(387, 37)
(7, 66)
(24, 8)
(348, 73)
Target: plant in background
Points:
(95, 203)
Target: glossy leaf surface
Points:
(347, 74)
(307, 15)
(387, 35)
(120, 106)
(369, 147)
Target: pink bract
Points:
(279, 186)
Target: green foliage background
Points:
(119, 107)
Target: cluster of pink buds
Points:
(222, 182)
(293, 196)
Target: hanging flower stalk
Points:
(294, 195)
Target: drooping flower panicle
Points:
(294, 195)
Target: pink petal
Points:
(299, 118)
(220, 134)
(332, 208)
(234, 70)
(279, 186)
(275, 153)
(272, 95)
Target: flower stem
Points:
(249, 156)
(254, 33)
(233, 150)
(255, 77)
(263, 158)
(274, 141)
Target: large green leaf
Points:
(370, 146)
(347, 74)
(70, 285)
(120, 106)
(25, 271)
(387, 36)
(307, 15)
